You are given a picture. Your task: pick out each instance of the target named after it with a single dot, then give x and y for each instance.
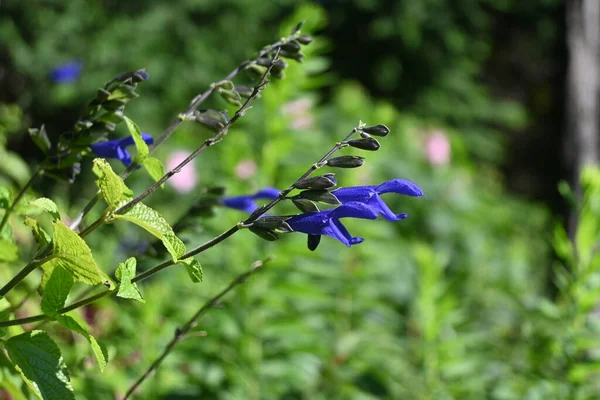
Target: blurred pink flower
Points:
(186, 179)
(437, 148)
(300, 111)
(246, 169)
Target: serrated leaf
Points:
(140, 145)
(72, 253)
(38, 360)
(9, 251)
(56, 291)
(193, 268)
(47, 205)
(40, 138)
(125, 273)
(111, 185)
(155, 168)
(156, 225)
(98, 349)
(41, 237)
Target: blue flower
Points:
(68, 72)
(247, 203)
(370, 196)
(327, 222)
(116, 148)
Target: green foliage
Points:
(56, 290)
(111, 186)
(73, 254)
(38, 360)
(47, 205)
(140, 145)
(125, 273)
(155, 168)
(99, 350)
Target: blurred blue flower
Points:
(68, 72)
(247, 203)
(370, 196)
(116, 148)
(327, 222)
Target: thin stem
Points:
(33, 264)
(181, 332)
(207, 143)
(196, 102)
(20, 195)
(218, 239)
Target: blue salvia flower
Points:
(117, 148)
(247, 203)
(327, 222)
(370, 196)
(68, 72)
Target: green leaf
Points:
(56, 291)
(155, 169)
(111, 185)
(125, 273)
(47, 205)
(98, 349)
(40, 138)
(9, 251)
(193, 268)
(5, 314)
(140, 145)
(4, 197)
(72, 253)
(42, 237)
(155, 224)
(38, 360)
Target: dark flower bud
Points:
(264, 61)
(114, 105)
(102, 95)
(369, 143)
(263, 233)
(273, 223)
(40, 138)
(294, 56)
(278, 66)
(377, 130)
(346, 162)
(298, 27)
(317, 182)
(245, 91)
(140, 75)
(305, 205)
(313, 242)
(305, 39)
(292, 46)
(322, 196)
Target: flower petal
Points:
(124, 156)
(353, 210)
(359, 194)
(267, 193)
(243, 203)
(400, 186)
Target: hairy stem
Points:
(181, 332)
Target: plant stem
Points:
(196, 102)
(20, 195)
(181, 332)
(218, 239)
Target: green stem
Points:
(20, 195)
(181, 332)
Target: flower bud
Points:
(346, 162)
(294, 56)
(245, 91)
(317, 182)
(313, 242)
(305, 39)
(377, 130)
(370, 144)
(40, 138)
(322, 196)
(305, 205)
(273, 223)
(292, 46)
(263, 233)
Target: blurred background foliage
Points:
(478, 294)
